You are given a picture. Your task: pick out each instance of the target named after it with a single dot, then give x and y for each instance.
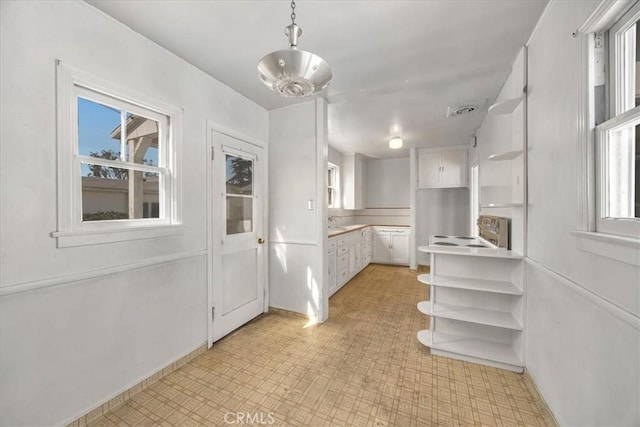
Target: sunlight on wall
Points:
(313, 305)
(281, 251)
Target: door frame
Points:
(209, 150)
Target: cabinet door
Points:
(331, 273)
(358, 248)
(400, 248)
(352, 260)
(428, 170)
(381, 242)
(453, 168)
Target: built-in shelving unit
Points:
(481, 316)
(506, 155)
(502, 205)
(493, 354)
(476, 305)
(495, 286)
(507, 106)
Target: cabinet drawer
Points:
(342, 250)
(342, 262)
(342, 241)
(366, 233)
(366, 248)
(332, 246)
(367, 259)
(343, 275)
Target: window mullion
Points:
(121, 165)
(123, 135)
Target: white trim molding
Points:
(619, 248)
(605, 304)
(71, 230)
(69, 279)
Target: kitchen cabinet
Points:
(354, 172)
(331, 267)
(391, 245)
(352, 254)
(442, 168)
(476, 305)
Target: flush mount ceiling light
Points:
(395, 143)
(294, 73)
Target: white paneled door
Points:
(238, 248)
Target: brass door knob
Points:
(261, 240)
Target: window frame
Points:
(334, 186)
(73, 83)
(622, 113)
(592, 65)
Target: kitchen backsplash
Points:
(381, 216)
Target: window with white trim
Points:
(617, 150)
(332, 186)
(117, 168)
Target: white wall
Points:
(583, 309)
(111, 314)
(502, 182)
(297, 175)
(440, 211)
(387, 183)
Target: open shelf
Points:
(507, 106)
(501, 253)
(481, 285)
(502, 205)
(480, 316)
(507, 155)
(502, 353)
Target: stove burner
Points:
(441, 237)
(465, 238)
(476, 246)
(445, 244)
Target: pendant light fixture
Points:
(294, 73)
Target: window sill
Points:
(619, 248)
(68, 239)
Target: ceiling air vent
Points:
(460, 111)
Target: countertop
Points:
(479, 252)
(343, 229)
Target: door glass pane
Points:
(239, 214)
(239, 175)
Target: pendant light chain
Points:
(293, 12)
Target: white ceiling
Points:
(394, 63)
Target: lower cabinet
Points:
(391, 245)
(352, 252)
(331, 269)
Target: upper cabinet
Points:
(442, 168)
(354, 172)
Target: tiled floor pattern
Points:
(364, 367)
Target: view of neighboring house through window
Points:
(618, 137)
(332, 186)
(119, 159)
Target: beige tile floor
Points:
(363, 367)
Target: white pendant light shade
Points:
(395, 143)
(294, 73)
